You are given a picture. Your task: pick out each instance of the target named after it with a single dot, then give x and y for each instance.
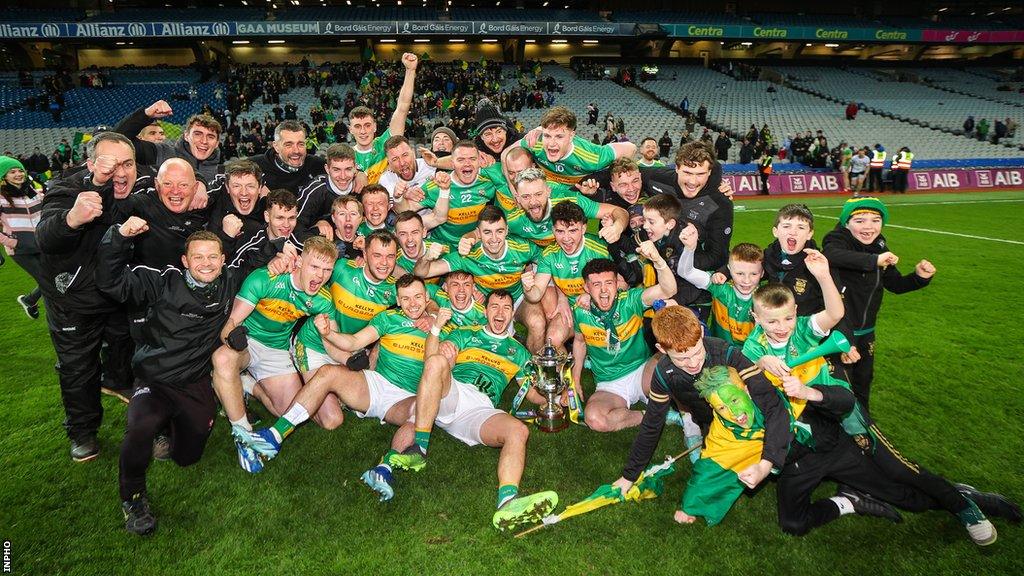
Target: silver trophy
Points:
(550, 377)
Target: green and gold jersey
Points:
(356, 300)
(400, 360)
(609, 358)
(652, 164)
(730, 314)
(584, 158)
(504, 272)
(278, 305)
(487, 361)
(502, 194)
(542, 233)
(474, 316)
(407, 264)
(464, 207)
(374, 161)
(566, 270)
(365, 230)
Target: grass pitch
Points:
(947, 391)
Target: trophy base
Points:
(551, 424)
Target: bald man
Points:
(167, 211)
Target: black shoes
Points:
(138, 518)
(31, 310)
(866, 505)
(991, 503)
(84, 449)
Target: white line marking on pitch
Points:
(922, 229)
(895, 204)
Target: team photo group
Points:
(415, 283)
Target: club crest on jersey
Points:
(800, 287)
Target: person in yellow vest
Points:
(876, 167)
(901, 162)
(764, 168)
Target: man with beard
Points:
(199, 144)
(286, 164)
(76, 213)
(405, 172)
(236, 208)
(497, 263)
(385, 393)
(610, 333)
(494, 133)
(470, 191)
(462, 383)
(256, 337)
(370, 156)
(649, 153)
(315, 204)
(535, 199)
(359, 292)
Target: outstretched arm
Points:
(397, 125)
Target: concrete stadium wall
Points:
(117, 57)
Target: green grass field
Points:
(948, 392)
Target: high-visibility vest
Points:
(877, 158)
(904, 160)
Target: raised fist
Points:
(410, 60)
(434, 251)
(159, 109)
(443, 180)
(232, 226)
(466, 244)
(88, 207)
(133, 227)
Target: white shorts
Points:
(310, 360)
(266, 362)
(383, 395)
(463, 412)
(629, 387)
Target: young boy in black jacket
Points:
(860, 256)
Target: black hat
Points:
(488, 116)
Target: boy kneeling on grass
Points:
(835, 437)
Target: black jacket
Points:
(220, 205)
(183, 322)
(824, 418)
(857, 268)
(710, 212)
(672, 384)
(69, 255)
(154, 154)
(164, 243)
(276, 175)
(314, 205)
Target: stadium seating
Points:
(41, 14)
(736, 105)
(359, 14)
(916, 103)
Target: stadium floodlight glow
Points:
(490, 40)
(349, 2)
(388, 41)
(559, 41)
(421, 40)
(456, 40)
(747, 43)
(347, 41)
(808, 45)
(120, 43)
(239, 41)
(244, 3)
(831, 45)
(943, 9)
(531, 41)
(590, 41)
(399, 2)
(545, 4)
(275, 41)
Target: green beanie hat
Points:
(7, 164)
(863, 204)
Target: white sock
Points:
(243, 422)
(296, 415)
(690, 428)
(844, 505)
